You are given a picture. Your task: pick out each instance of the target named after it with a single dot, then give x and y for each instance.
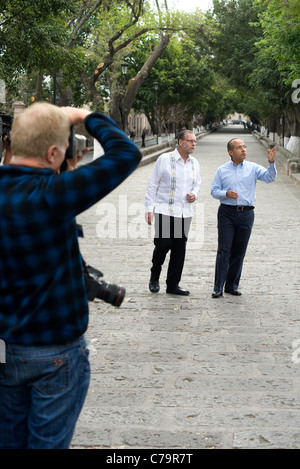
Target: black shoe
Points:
(154, 286)
(233, 292)
(217, 294)
(178, 291)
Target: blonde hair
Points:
(37, 128)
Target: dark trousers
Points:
(170, 235)
(234, 230)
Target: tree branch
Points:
(82, 17)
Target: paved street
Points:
(195, 372)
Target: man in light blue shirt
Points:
(234, 185)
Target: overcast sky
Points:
(191, 5)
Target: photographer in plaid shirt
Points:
(43, 301)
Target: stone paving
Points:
(195, 372)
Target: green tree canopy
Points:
(186, 84)
(32, 35)
(280, 22)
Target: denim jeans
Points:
(42, 391)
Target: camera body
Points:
(77, 143)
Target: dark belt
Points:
(239, 208)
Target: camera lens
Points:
(111, 293)
(96, 288)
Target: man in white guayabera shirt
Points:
(173, 187)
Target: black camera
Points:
(97, 288)
(77, 143)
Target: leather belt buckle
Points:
(239, 208)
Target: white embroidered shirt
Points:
(170, 182)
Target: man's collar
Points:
(178, 155)
(234, 164)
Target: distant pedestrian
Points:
(173, 187)
(143, 137)
(234, 185)
(132, 134)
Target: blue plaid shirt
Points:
(42, 293)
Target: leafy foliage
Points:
(32, 35)
(280, 21)
(242, 56)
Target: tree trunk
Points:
(120, 106)
(39, 86)
(294, 119)
(91, 91)
(65, 93)
(116, 109)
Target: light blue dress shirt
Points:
(242, 179)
